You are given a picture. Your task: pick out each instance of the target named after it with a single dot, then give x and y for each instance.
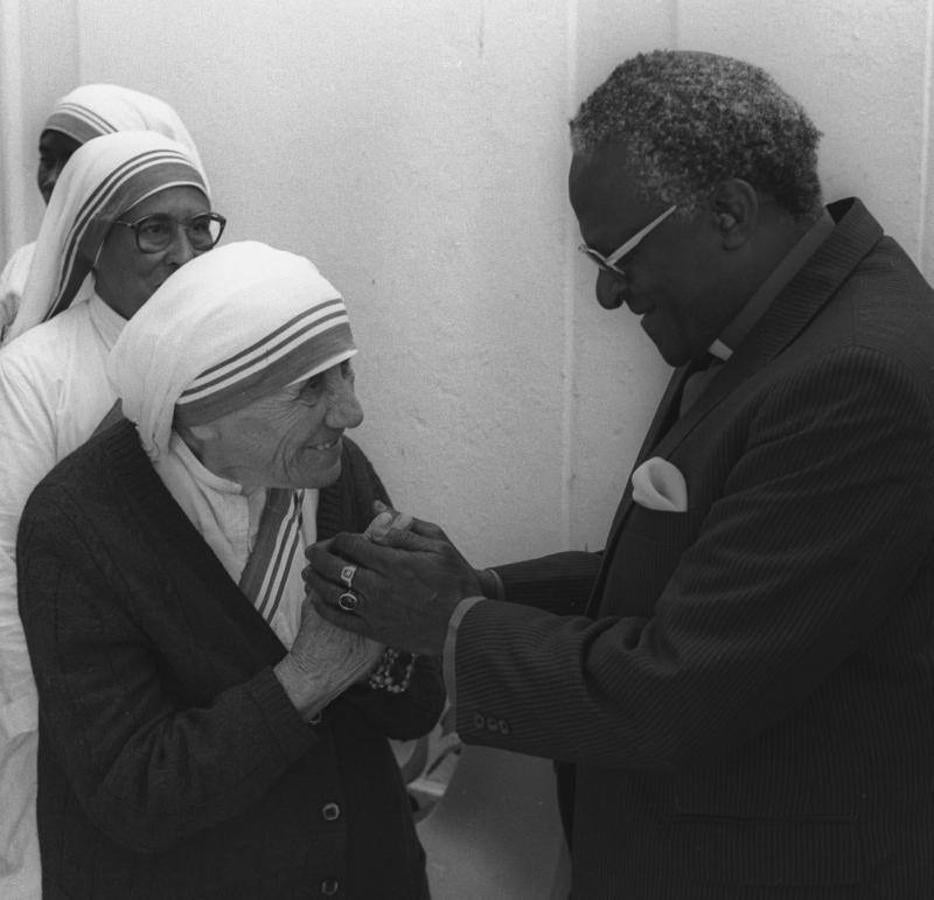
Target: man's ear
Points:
(736, 212)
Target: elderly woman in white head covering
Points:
(87, 112)
(129, 210)
(205, 733)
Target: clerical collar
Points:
(753, 310)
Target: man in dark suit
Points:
(747, 700)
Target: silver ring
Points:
(347, 574)
(348, 601)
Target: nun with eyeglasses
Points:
(83, 114)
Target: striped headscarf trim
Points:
(92, 110)
(78, 122)
(303, 343)
(229, 327)
(102, 181)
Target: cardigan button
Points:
(330, 886)
(316, 719)
(330, 812)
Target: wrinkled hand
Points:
(324, 661)
(408, 583)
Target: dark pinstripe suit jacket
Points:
(749, 701)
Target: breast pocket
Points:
(644, 558)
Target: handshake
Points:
(326, 659)
(398, 583)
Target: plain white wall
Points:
(417, 151)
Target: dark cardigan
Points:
(171, 762)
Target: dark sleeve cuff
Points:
(285, 724)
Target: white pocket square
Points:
(657, 484)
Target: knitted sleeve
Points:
(147, 767)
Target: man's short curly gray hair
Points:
(688, 120)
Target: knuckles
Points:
(344, 542)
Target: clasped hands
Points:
(405, 584)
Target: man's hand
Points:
(406, 584)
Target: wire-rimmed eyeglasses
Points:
(156, 232)
(608, 263)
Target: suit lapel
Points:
(854, 236)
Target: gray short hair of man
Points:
(687, 120)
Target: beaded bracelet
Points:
(393, 672)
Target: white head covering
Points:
(92, 110)
(102, 180)
(231, 326)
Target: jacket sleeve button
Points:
(330, 812)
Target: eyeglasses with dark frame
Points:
(608, 263)
(156, 232)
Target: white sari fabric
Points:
(87, 112)
(54, 391)
(102, 180)
(12, 284)
(230, 327)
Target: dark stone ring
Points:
(348, 601)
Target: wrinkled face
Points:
(290, 439)
(125, 277)
(55, 149)
(672, 278)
